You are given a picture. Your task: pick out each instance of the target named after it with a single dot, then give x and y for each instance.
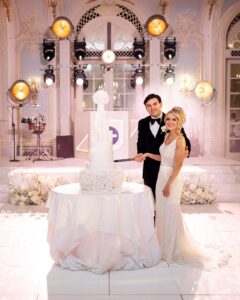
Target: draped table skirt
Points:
(101, 231)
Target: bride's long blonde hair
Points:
(179, 113)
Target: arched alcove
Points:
(222, 112)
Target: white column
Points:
(64, 87)
(154, 60)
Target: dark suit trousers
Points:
(152, 184)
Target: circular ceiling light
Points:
(20, 91)
(203, 90)
(62, 27)
(156, 25)
(108, 56)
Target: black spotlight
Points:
(80, 78)
(170, 48)
(49, 77)
(80, 49)
(137, 78)
(133, 82)
(48, 49)
(169, 76)
(139, 48)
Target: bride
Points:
(175, 243)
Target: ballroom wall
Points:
(201, 55)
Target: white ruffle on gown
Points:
(175, 242)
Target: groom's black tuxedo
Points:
(148, 143)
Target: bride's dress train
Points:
(175, 242)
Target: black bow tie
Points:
(155, 120)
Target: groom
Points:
(150, 137)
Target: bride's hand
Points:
(166, 190)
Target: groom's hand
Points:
(139, 157)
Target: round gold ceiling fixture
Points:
(20, 91)
(156, 25)
(203, 90)
(62, 27)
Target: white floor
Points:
(28, 273)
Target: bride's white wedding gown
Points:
(175, 243)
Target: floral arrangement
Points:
(198, 193)
(34, 189)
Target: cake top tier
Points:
(100, 98)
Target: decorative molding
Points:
(32, 34)
(186, 32)
(6, 6)
(211, 4)
(233, 37)
(163, 5)
(110, 9)
(53, 5)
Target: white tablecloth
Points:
(102, 231)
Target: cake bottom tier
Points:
(101, 180)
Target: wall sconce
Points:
(34, 90)
(139, 48)
(186, 85)
(62, 27)
(49, 77)
(204, 90)
(156, 25)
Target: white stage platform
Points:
(225, 171)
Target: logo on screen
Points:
(115, 134)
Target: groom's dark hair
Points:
(151, 96)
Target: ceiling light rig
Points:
(169, 76)
(80, 78)
(80, 49)
(139, 48)
(170, 48)
(48, 49)
(137, 78)
(49, 76)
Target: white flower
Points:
(164, 128)
(197, 194)
(100, 97)
(192, 187)
(33, 189)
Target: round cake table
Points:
(101, 231)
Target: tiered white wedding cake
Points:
(101, 173)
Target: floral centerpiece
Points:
(199, 193)
(34, 189)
